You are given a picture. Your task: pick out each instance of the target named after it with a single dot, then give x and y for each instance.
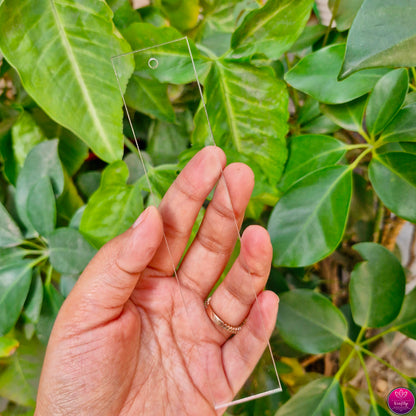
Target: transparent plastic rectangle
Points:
(173, 63)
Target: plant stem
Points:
(36, 261)
(359, 158)
(379, 335)
(361, 334)
(48, 275)
(414, 76)
(378, 221)
(33, 244)
(356, 146)
(412, 87)
(328, 30)
(130, 146)
(346, 362)
(388, 365)
(367, 377)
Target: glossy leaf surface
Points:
(376, 287)
(69, 251)
(272, 29)
(308, 222)
(319, 397)
(394, 24)
(14, 287)
(309, 153)
(316, 74)
(393, 176)
(403, 127)
(73, 80)
(41, 206)
(113, 207)
(386, 99)
(10, 234)
(406, 321)
(316, 327)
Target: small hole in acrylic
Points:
(153, 63)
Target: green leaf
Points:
(183, 14)
(394, 23)
(41, 161)
(175, 64)
(33, 304)
(10, 234)
(318, 398)
(386, 100)
(11, 256)
(377, 286)
(316, 74)
(403, 127)
(320, 125)
(78, 89)
(349, 116)
(272, 29)
(8, 346)
(113, 208)
(309, 153)
(124, 14)
(166, 140)
(379, 412)
(317, 327)
(69, 251)
(248, 112)
(406, 321)
(41, 207)
(52, 302)
(20, 378)
(149, 97)
(308, 222)
(309, 36)
(26, 134)
(393, 176)
(346, 12)
(68, 202)
(14, 287)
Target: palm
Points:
(133, 341)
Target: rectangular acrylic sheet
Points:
(169, 73)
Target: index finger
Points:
(181, 204)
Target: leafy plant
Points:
(335, 175)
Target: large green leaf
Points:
(309, 153)
(10, 256)
(308, 222)
(386, 100)
(345, 13)
(393, 176)
(20, 377)
(42, 161)
(394, 23)
(10, 234)
(62, 52)
(272, 29)
(174, 61)
(248, 113)
(68, 250)
(14, 287)
(113, 207)
(316, 327)
(317, 73)
(403, 127)
(26, 134)
(377, 286)
(182, 14)
(41, 206)
(33, 304)
(322, 397)
(406, 321)
(348, 115)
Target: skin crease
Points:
(125, 344)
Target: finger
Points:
(110, 278)
(214, 243)
(181, 204)
(234, 297)
(241, 353)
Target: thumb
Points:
(110, 278)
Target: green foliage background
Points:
(324, 115)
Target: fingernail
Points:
(141, 217)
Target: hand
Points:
(123, 343)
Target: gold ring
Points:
(218, 321)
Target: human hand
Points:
(123, 343)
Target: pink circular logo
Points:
(401, 401)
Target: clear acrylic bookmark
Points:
(173, 70)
